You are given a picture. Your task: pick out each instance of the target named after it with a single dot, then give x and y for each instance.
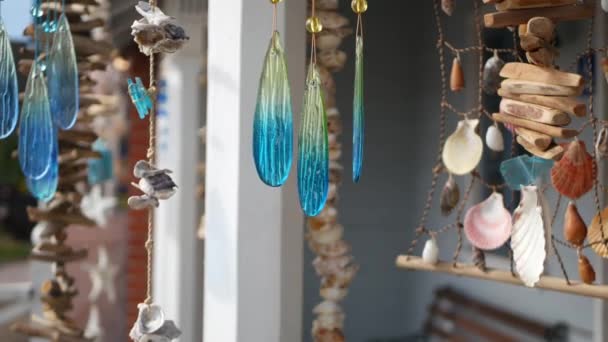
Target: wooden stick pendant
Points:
(457, 75)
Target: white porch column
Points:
(254, 246)
(178, 263)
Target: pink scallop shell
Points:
(488, 224)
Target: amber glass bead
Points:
(359, 6)
(313, 25)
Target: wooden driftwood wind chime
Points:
(319, 147)
(59, 152)
(538, 104)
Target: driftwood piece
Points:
(74, 255)
(536, 88)
(35, 214)
(87, 26)
(53, 335)
(556, 132)
(543, 57)
(505, 5)
(557, 14)
(530, 42)
(534, 112)
(78, 135)
(541, 27)
(554, 152)
(527, 72)
(540, 140)
(569, 105)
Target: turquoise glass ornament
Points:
(9, 89)
(524, 170)
(140, 97)
(273, 119)
(100, 169)
(358, 112)
(35, 127)
(44, 188)
(62, 75)
(313, 153)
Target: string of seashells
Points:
(537, 103)
(154, 33)
(334, 262)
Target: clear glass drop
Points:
(313, 152)
(9, 89)
(62, 74)
(358, 112)
(100, 169)
(35, 127)
(273, 120)
(44, 188)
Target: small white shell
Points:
(494, 139)
(328, 234)
(463, 149)
(150, 318)
(430, 253)
(605, 5)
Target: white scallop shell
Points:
(528, 237)
(494, 139)
(430, 253)
(463, 149)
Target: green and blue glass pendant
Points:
(358, 112)
(525, 170)
(9, 90)
(273, 120)
(100, 169)
(62, 74)
(140, 97)
(36, 127)
(313, 154)
(44, 188)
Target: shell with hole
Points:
(574, 174)
(528, 237)
(450, 195)
(463, 149)
(488, 225)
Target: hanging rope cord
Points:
(151, 155)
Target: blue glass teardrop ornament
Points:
(313, 152)
(9, 89)
(62, 74)
(273, 120)
(358, 112)
(44, 188)
(35, 127)
(102, 169)
(524, 170)
(140, 97)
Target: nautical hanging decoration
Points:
(273, 119)
(313, 148)
(154, 33)
(359, 7)
(9, 101)
(62, 75)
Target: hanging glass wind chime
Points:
(359, 7)
(45, 109)
(313, 148)
(9, 90)
(273, 120)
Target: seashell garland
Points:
(450, 195)
(334, 262)
(488, 225)
(463, 149)
(574, 174)
(528, 237)
(494, 139)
